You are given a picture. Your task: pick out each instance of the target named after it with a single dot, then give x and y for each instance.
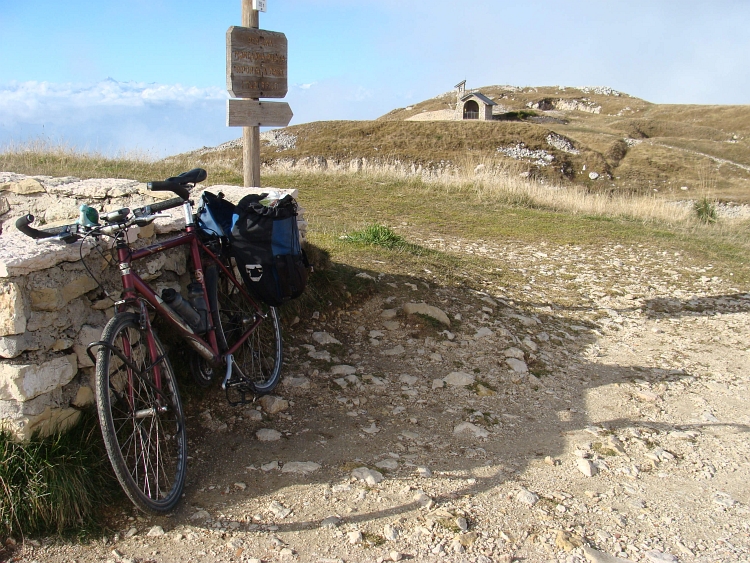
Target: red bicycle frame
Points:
(134, 286)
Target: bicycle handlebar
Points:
(71, 233)
(158, 206)
(22, 224)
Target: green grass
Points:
(57, 484)
(379, 235)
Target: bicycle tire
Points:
(143, 429)
(260, 357)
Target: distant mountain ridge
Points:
(595, 136)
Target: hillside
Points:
(555, 134)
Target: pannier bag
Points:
(214, 215)
(266, 247)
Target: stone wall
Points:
(51, 307)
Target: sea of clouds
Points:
(153, 120)
(114, 117)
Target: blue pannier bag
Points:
(266, 246)
(215, 215)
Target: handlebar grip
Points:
(22, 224)
(158, 206)
(167, 186)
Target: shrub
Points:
(705, 210)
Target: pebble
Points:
(471, 429)
(323, 338)
(424, 471)
(330, 522)
(301, 467)
(390, 533)
(459, 379)
(369, 476)
(296, 383)
(268, 435)
(389, 464)
(343, 370)
(518, 366)
(279, 510)
(423, 499)
(586, 467)
(273, 405)
(155, 532)
(428, 310)
(527, 497)
(355, 537)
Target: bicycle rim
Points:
(259, 359)
(143, 428)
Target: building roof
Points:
(481, 97)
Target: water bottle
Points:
(182, 308)
(198, 301)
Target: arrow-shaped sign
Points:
(252, 113)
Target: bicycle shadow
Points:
(708, 306)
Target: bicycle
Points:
(138, 401)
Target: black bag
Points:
(267, 249)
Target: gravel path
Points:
(597, 410)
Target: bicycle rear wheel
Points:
(143, 424)
(260, 357)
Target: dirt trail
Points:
(597, 409)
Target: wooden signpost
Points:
(256, 68)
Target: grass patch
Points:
(705, 211)
(372, 540)
(56, 484)
(379, 235)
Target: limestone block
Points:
(47, 299)
(27, 186)
(12, 316)
(86, 336)
(84, 397)
(50, 421)
(4, 205)
(12, 346)
(78, 287)
(40, 319)
(176, 262)
(22, 382)
(22, 256)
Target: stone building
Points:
(472, 105)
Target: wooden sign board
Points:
(252, 113)
(256, 63)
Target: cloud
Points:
(112, 117)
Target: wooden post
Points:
(250, 135)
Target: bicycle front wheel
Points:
(259, 358)
(142, 420)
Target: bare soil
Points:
(627, 437)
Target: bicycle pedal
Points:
(241, 388)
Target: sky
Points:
(149, 76)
